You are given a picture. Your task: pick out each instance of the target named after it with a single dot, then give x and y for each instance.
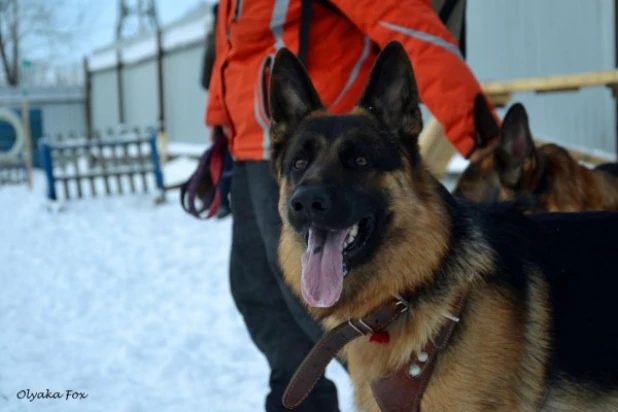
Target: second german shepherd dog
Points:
(545, 178)
(363, 221)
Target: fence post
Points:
(154, 153)
(120, 92)
(48, 166)
(158, 174)
(25, 109)
(88, 102)
(161, 89)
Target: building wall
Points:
(104, 100)
(140, 94)
(185, 99)
(531, 38)
(62, 108)
(53, 111)
(63, 118)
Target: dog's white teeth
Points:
(354, 230)
(351, 236)
(348, 241)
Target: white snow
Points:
(103, 59)
(187, 32)
(139, 50)
(457, 164)
(186, 149)
(126, 301)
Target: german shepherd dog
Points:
(363, 221)
(545, 178)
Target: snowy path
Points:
(125, 301)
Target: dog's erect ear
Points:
(516, 145)
(291, 95)
(292, 98)
(487, 128)
(392, 94)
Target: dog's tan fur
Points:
(495, 360)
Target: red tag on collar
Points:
(380, 337)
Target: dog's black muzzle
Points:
(321, 206)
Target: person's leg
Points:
(258, 297)
(265, 194)
(225, 185)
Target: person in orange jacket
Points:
(343, 41)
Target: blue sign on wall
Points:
(8, 135)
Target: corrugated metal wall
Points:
(185, 99)
(63, 118)
(104, 100)
(528, 38)
(140, 94)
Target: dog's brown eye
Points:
(300, 164)
(362, 161)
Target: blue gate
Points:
(109, 164)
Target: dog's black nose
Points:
(310, 202)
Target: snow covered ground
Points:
(125, 301)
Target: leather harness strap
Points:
(399, 392)
(403, 390)
(331, 343)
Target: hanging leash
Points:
(203, 184)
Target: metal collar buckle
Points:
(402, 303)
(368, 329)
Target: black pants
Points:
(225, 184)
(277, 322)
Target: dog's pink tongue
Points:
(322, 262)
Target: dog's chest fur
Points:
(537, 331)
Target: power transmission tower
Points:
(144, 12)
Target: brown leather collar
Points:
(399, 392)
(403, 390)
(331, 343)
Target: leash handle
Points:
(209, 168)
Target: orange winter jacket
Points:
(342, 48)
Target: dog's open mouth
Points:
(356, 239)
(327, 260)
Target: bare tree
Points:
(40, 29)
(9, 40)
